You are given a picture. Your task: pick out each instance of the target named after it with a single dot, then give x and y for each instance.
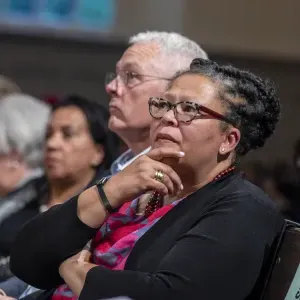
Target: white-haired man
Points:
(144, 70)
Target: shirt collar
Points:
(33, 174)
(125, 159)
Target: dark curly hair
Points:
(251, 101)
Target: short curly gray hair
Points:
(170, 42)
(179, 48)
(23, 121)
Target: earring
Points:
(223, 150)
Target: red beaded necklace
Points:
(156, 200)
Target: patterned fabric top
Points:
(116, 238)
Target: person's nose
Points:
(54, 141)
(169, 118)
(116, 87)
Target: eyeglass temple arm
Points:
(214, 114)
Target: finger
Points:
(84, 256)
(88, 245)
(164, 152)
(168, 183)
(158, 186)
(174, 177)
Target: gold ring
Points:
(159, 176)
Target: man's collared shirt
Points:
(125, 159)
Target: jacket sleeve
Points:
(220, 258)
(46, 241)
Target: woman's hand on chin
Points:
(135, 180)
(139, 177)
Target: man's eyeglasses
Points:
(184, 111)
(130, 79)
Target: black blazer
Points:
(212, 245)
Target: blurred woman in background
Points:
(77, 148)
(23, 121)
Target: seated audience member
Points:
(78, 147)
(7, 86)
(23, 121)
(197, 229)
(144, 70)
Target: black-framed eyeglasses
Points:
(184, 111)
(130, 79)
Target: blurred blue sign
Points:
(85, 14)
(96, 12)
(58, 11)
(24, 7)
(60, 8)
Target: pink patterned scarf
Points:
(115, 239)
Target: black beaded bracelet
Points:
(103, 197)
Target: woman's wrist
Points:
(90, 209)
(113, 192)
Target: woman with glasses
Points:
(177, 223)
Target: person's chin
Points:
(116, 124)
(53, 174)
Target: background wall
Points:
(262, 36)
(261, 28)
